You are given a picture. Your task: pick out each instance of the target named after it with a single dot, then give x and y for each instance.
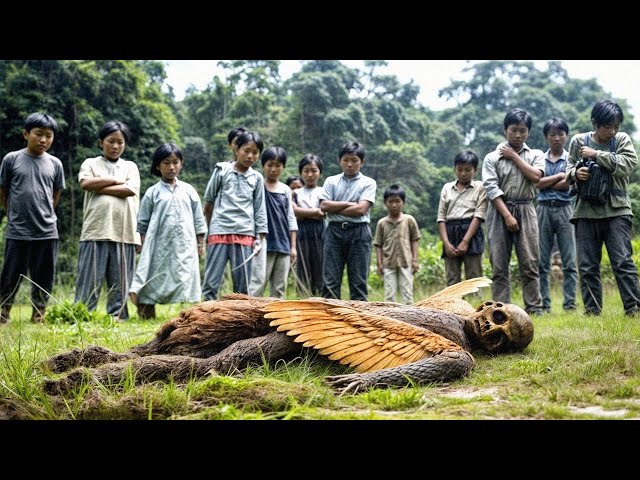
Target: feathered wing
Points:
(450, 298)
(360, 339)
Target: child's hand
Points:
(463, 248)
(415, 266)
(587, 152)
(380, 270)
(138, 248)
(200, 249)
(582, 174)
(449, 250)
(257, 245)
(293, 255)
(512, 224)
(507, 152)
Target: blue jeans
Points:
(615, 233)
(350, 246)
(554, 220)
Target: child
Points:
(554, 212)
(30, 184)
(294, 182)
(347, 199)
(609, 223)
(109, 238)
(461, 211)
(510, 174)
(236, 216)
(172, 229)
(396, 242)
(310, 227)
(274, 260)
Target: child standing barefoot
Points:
(172, 229)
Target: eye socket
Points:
(499, 317)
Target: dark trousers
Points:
(310, 257)
(615, 233)
(38, 257)
(351, 247)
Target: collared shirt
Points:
(339, 188)
(456, 205)
(396, 239)
(502, 177)
(238, 201)
(621, 164)
(107, 217)
(553, 168)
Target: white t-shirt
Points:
(107, 217)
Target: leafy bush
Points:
(69, 312)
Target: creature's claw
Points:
(347, 384)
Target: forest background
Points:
(316, 110)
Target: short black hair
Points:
(274, 153)
(40, 120)
(311, 158)
(466, 157)
(352, 148)
(234, 133)
(292, 178)
(555, 123)
(395, 191)
(247, 137)
(164, 151)
(114, 126)
(516, 116)
(606, 112)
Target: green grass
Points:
(577, 367)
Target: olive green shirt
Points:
(621, 164)
(395, 240)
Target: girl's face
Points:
(170, 168)
(296, 184)
(310, 174)
(113, 145)
(272, 170)
(246, 155)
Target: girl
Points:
(310, 227)
(108, 239)
(172, 229)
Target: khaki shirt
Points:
(621, 164)
(107, 217)
(395, 240)
(502, 177)
(456, 205)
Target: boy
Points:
(510, 174)
(396, 242)
(272, 263)
(236, 216)
(30, 185)
(461, 211)
(554, 211)
(231, 141)
(347, 199)
(609, 223)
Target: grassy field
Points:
(577, 367)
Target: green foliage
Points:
(69, 312)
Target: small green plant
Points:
(69, 312)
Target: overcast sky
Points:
(620, 77)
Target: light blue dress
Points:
(169, 269)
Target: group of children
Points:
(261, 226)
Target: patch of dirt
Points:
(595, 410)
(468, 392)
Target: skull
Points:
(503, 327)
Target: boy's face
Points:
(556, 138)
(465, 173)
(246, 156)
(272, 170)
(351, 164)
(517, 135)
(38, 139)
(605, 133)
(394, 204)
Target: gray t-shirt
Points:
(31, 181)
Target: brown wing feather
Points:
(450, 298)
(363, 340)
